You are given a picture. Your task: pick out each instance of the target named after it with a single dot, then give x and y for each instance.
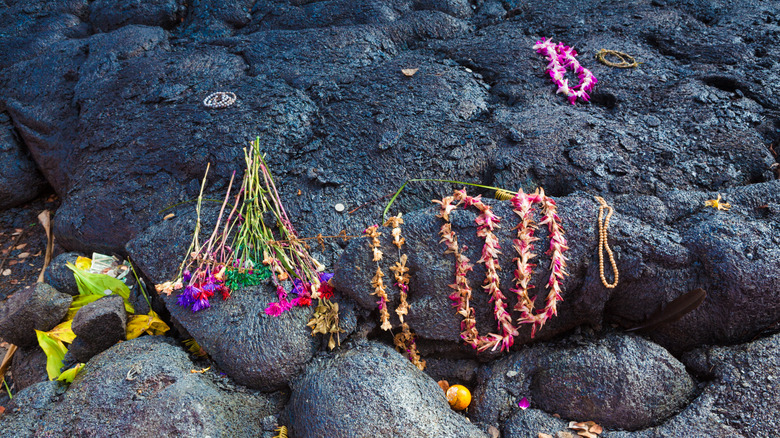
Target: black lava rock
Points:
(38, 307)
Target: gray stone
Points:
(38, 307)
(59, 276)
(618, 381)
(371, 390)
(98, 326)
(739, 398)
(28, 367)
(20, 179)
(153, 376)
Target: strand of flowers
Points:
(561, 57)
(486, 223)
(523, 204)
(376, 282)
(406, 339)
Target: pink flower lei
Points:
(523, 244)
(486, 223)
(561, 57)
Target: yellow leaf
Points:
(55, 352)
(63, 332)
(84, 263)
(70, 374)
(150, 324)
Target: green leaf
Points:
(70, 374)
(55, 352)
(98, 284)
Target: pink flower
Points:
(523, 403)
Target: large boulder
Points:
(371, 390)
(38, 307)
(255, 349)
(142, 387)
(619, 381)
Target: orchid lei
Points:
(523, 207)
(561, 57)
(486, 223)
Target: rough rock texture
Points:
(28, 367)
(618, 381)
(59, 276)
(371, 390)
(20, 180)
(107, 15)
(141, 387)
(38, 307)
(255, 349)
(107, 98)
(739, 398)
(661, 254)
(98, 326)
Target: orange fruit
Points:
(459, 397)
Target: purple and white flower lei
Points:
(560, 58)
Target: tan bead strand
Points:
(603, 244)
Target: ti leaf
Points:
(150, 324)
(98, 284)
(70, 374)
(55, 352)
(63, 332)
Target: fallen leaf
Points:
(543, 435)
(596, 429)
(24, 255)
(7, 272)
(169, 216)
(409, 72)
(444, 385)
(20, 246)
(13, 262)
(2, 409)
(37, 253)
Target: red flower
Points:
(325, 290)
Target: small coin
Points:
(339, 207)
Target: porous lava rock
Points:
(371, 390)
(152, 376)
(618, 381)
(38, 307)
(20, 180)
(59, 276)
(98, 326)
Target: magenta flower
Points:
(523, 403)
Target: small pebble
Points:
(339, 207)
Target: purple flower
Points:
(200, 304)
(186, 276)
(325, 276)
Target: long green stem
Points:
(398, 192)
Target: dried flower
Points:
(716, 204)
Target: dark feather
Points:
(674, 310)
